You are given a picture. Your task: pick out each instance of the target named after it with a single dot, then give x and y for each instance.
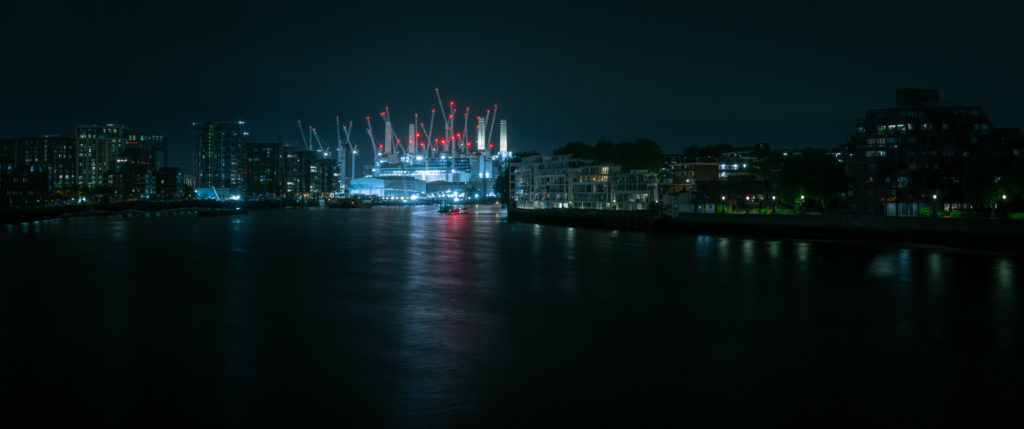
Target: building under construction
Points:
(463, 157)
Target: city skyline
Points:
(796, 75)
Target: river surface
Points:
(400, 317)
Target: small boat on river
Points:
(449, 208)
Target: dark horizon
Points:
(796, 75)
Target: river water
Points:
(400, 317)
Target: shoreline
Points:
(1005, 236)
(124, 209)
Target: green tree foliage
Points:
(639, 154)
(767, 160)
(576, 149)
(988, 174)
(815, 175)
(1017, 177)
(501, 186)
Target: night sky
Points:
(788, 73)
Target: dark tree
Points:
(767, 160)
(988, 175)
(1017, 178)
(815, 175)
(577, 150)
(639, 154)
(501, 185)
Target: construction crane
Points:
(313, 134)
(373, 143)
(449, 120)
(490, 131)
(304, 141)
(465, 130)
(352, 148)
(430, 132)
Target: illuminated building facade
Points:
(54, 155)
(219, 154)
(265, 173)
(21, 185)
(132, 175)
(155, 145)
(564, 182)
(170, 183)
(910, 152)
(97, 147)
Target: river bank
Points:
(127, 209)
(980, 234)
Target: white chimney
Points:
(481, 134)
(504, 136)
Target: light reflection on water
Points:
(402, 316)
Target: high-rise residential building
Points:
(169, 183)
(21, 185)
(132, 176)
(265, 172)
(219, 154)
(311, 174)
(913, 152)
(54, 155)
(97, 147)
(155, 145)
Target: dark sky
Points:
(787, 73)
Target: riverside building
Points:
(97, 147)
(54, 156)
(904, 155)
(564, 182)
(219, 154)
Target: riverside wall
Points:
(983, 234)
(14, 216)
